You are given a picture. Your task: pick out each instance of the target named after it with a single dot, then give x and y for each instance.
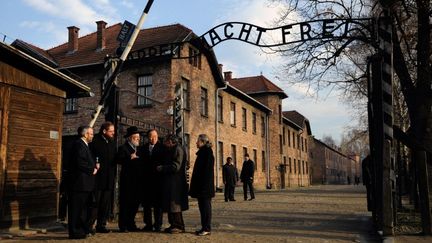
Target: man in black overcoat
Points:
(131, 180)
(82, 171)
(202, 183)
(174, 186)
(230, 178)
(103, 148)
(246, 176)
(151, 196)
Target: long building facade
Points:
(240, 115)
(330, 166)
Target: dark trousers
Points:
(63, 204)
(129, 203)
(176, 220)
(157, 214)
(100, 209)
(247, 184)
(204, 204)
(79, 213)
(229, 192)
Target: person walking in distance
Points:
(202, 183)
(246, 176)
(82, 171)
(130, 180)
(230, 178)
(151, 199)
(174, 185)
(103, 148)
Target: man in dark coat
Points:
(174, 185)
(82, 171)
(103, 149)
(367, 173)
(246, 176)
(202, 183)
(131, 180)
(152, 156)
(230, 178)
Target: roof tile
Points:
(87, 52)
(256, 84)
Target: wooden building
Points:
(32, 98)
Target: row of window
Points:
(298, 166)
(145, 89)
(301, 142)
(233, 155)
(244, 115)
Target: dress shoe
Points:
(168, 230)
(77, 236)
(157, 230)
(133, 229)
(124, 230)
(102, 230)
(176, 231)
(91, 232)
(251, 199)
(147, 228)
(203, 233)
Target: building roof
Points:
(35, 67)
(257, 85)
(87, 52)
(245, 97)
(35, 52)
(331, 148)
(298, 119)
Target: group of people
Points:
(230, 178)
(152, 175)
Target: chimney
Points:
(73, 39)
(227, 75)
(101, 35)
(220, 67)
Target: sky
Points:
(44, 23)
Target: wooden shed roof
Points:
(25, 62)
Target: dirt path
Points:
(314, 214)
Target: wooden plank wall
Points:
(33, 158)
(13, 76)
(4, 110)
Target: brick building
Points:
(295, 138)
(330, 166)
(240, 115)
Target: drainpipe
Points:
(268, 151)
(217, 134)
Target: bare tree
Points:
(342, 63)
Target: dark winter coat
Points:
(173, 176)
(229, 174)
(202, 182)
(131, 178)
(105, 150)
(247, 172)
(152, 183)
(81, 168)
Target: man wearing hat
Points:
(130, 179)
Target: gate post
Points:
(388, 175)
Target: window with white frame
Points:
(71, 105)
(145, 88)
(204, 102)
